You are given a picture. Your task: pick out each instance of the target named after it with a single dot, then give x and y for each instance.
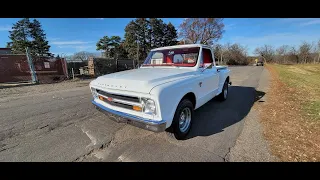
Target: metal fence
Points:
(75, 66)
(125, 64)
(15, 68)
(101, 66)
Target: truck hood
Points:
(142, 80)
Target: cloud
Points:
(5, 28)
(53, 39)
(301, 21)
(83, 48)
(229, 26)
(77, 47)
(294, 19)
(261, 39)
(70, 42)
(312, 22)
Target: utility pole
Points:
(32, 71)
(138, 53)
(65, 64)
(30, 63)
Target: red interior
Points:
(173, 64)
(168, 58)
(207, 58)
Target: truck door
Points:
(210, 76)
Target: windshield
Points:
(185, 57)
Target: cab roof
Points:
(181, 46)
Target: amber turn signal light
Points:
(136, 108)
(101, 98)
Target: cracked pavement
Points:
(61, 124)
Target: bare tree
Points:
(83, 56)
(282, 53)
(236, 54)
(318, 49)
(219, 52)
(267, 52)
(305, 52)
(202, 30)
(184, 41)
(293, 55)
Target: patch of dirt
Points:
(292, 136)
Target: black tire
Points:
(221, 96)
(174, 130)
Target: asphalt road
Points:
(63, 125)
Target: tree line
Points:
(237, 54)
(143, 34)
(231, 54)
(305, 53)
(26, 33)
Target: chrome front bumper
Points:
(120, 117)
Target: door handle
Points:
(218, 70)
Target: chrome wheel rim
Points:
(185, 119)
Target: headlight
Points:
(148, 106)
(94, 93)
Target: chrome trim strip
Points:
(129, 116)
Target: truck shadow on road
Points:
(215, 116)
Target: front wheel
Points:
(182, 120)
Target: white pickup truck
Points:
(163, 93)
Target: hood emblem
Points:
(109, 99)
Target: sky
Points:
(69, 35)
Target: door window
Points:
(207, 58)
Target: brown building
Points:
(5, 51)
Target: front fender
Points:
(169, 96)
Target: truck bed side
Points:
(223, 74)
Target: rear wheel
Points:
(182, 120)
(225, 91)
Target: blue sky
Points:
(69, 35)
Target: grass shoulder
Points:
(291, 115)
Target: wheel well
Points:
(191, 97)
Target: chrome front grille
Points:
(121, 97)
(122, 101)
